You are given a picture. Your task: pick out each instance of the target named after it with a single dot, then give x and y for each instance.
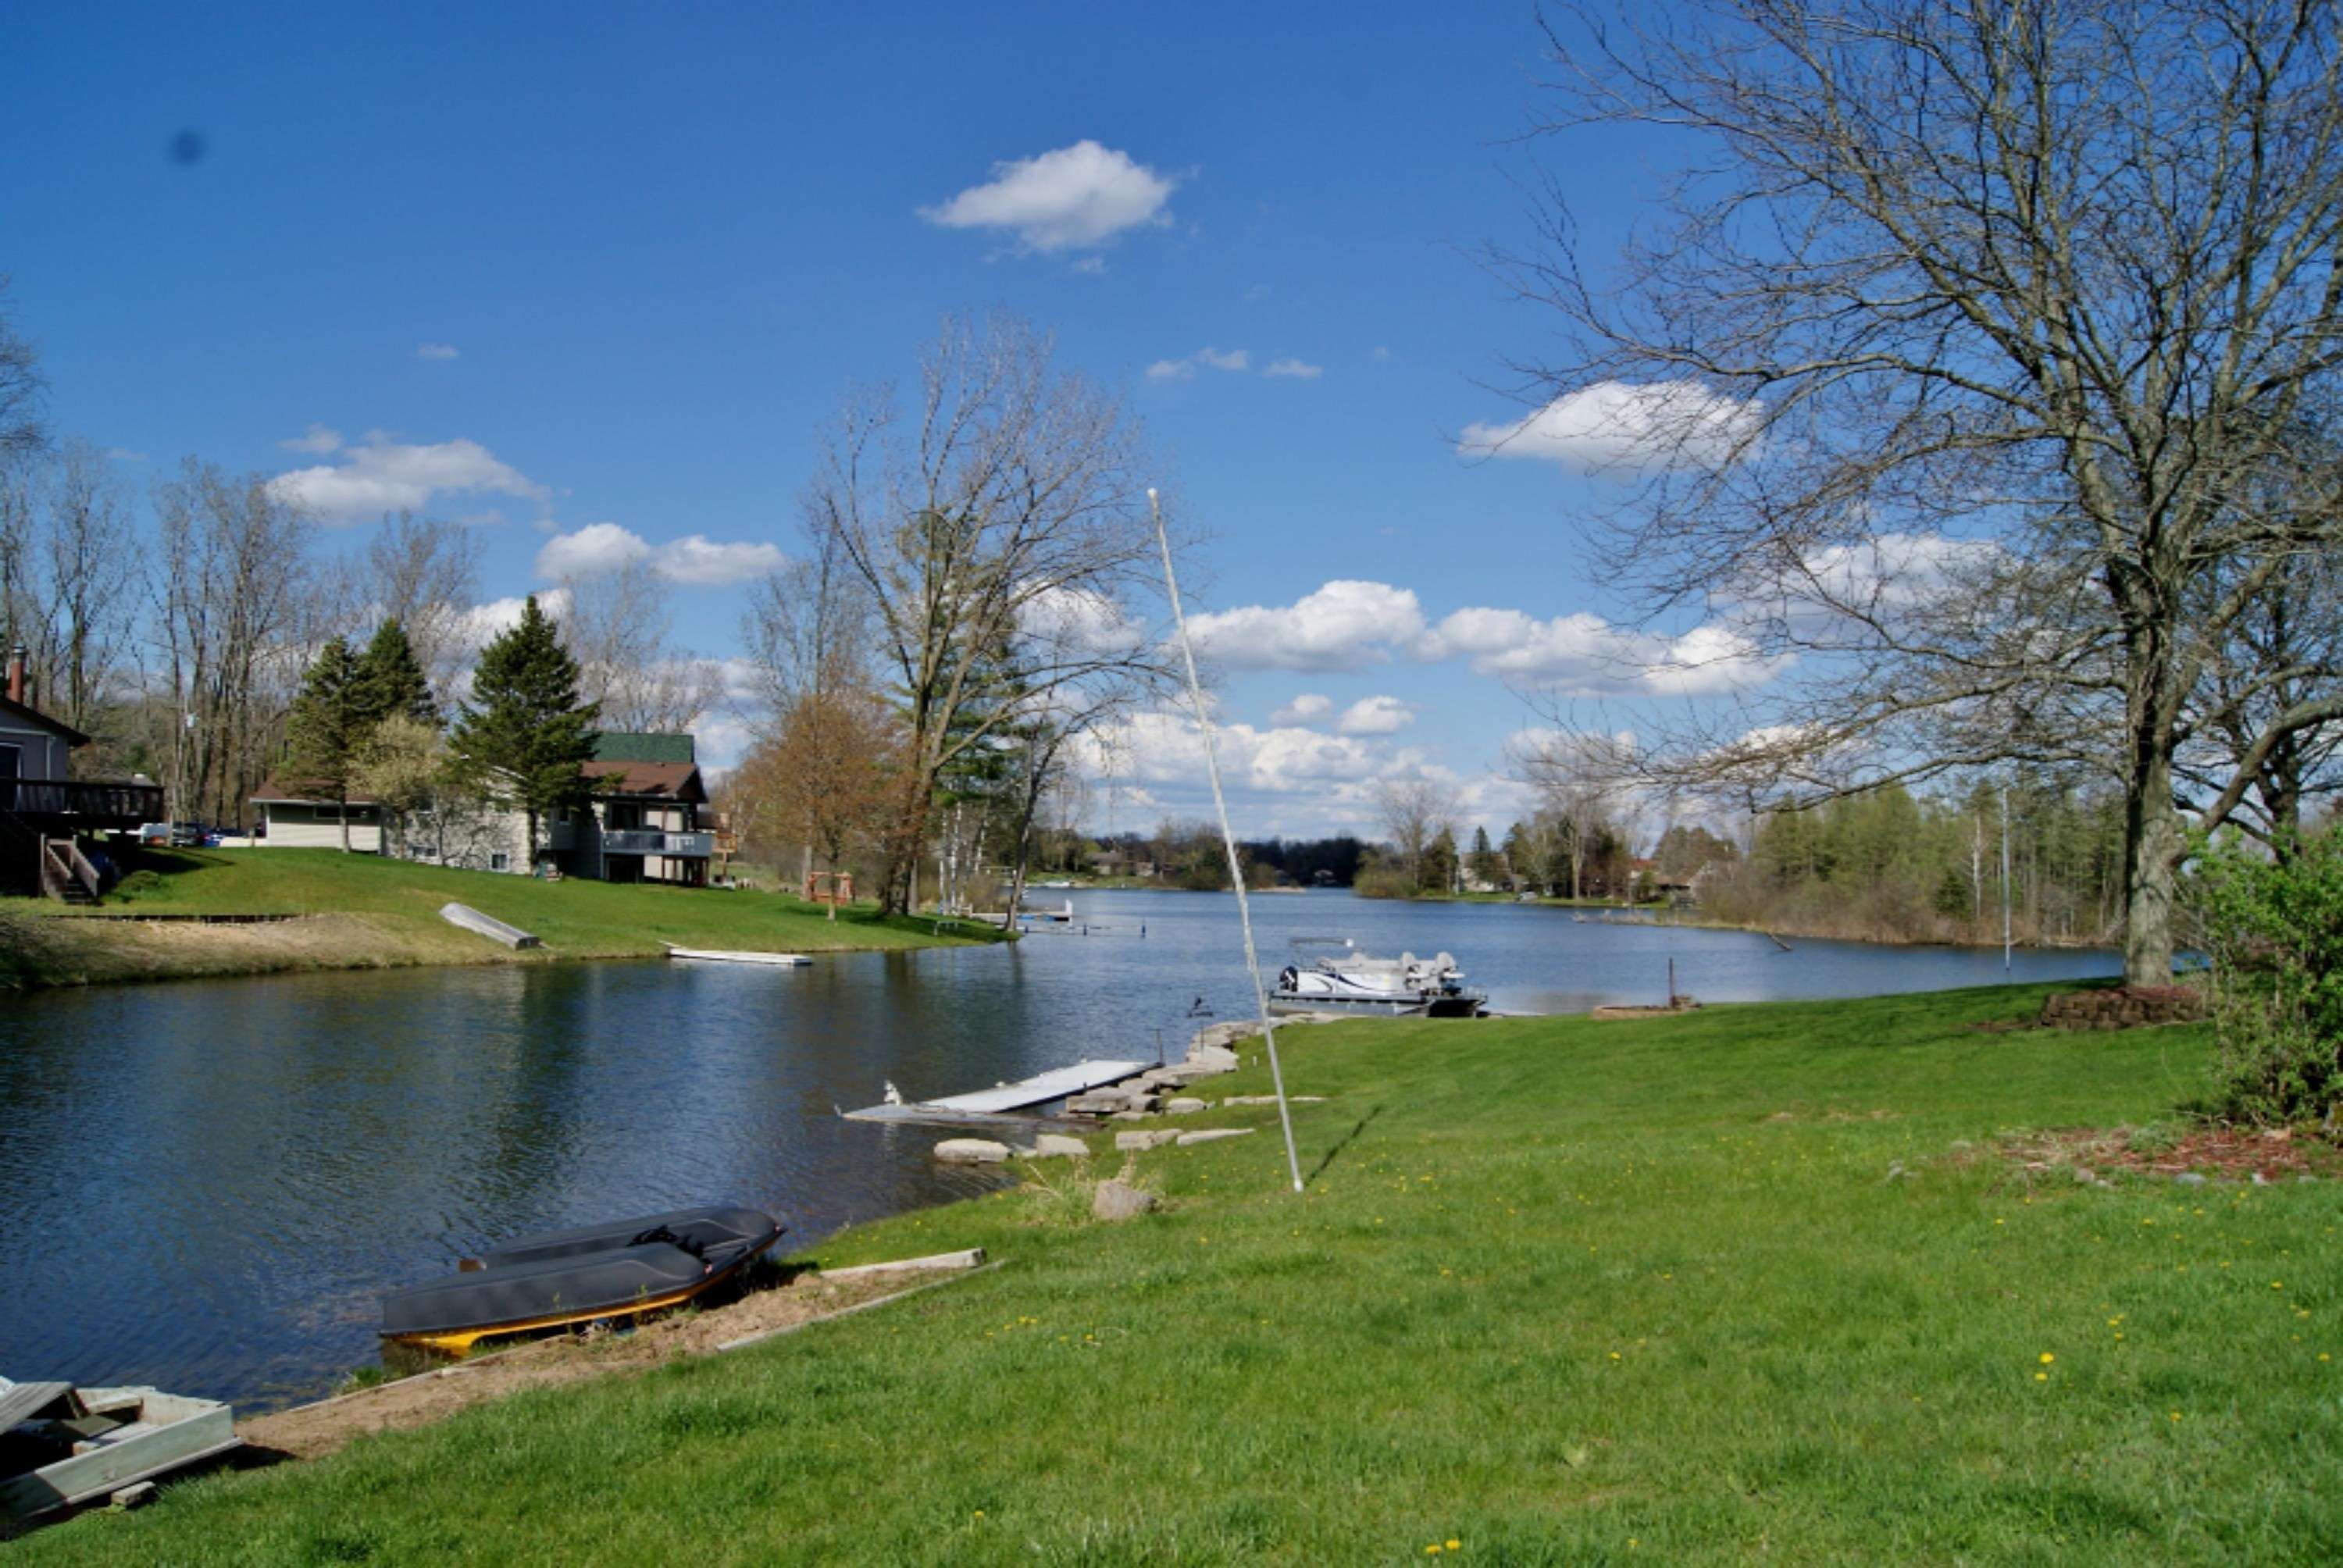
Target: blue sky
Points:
(578, 266)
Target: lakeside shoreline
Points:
(1485, 1322)
(1665, 917)
(364, 912)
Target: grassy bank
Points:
(370, 912)
(1754, 1283)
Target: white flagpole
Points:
(1228, 839)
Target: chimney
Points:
(16, 674)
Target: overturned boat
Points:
(63, 1446)
(1352, 981)
(624, 1268)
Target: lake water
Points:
(205, 1184)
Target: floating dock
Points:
(728, 955)
(997, 1102)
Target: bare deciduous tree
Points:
(22, 391)
(231, 608)
(69, 578)
(1413, 812)
(807, 626)
(1578, 779)
(424, 574)
(616, 625)
(1009, 489)
(1951, 368)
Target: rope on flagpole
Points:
(1228, 837)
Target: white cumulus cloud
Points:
(698, 560)
(436, 351)
(1072, 198)
(1614, 427)
(483, 622)
(1343, 624)
(382, 475)
(1376, 715)
(589, 551)
(1079, 621)
(694, 559)
(1578, 651)
(1235, 359)
(1300, 370)
(316, 439)
(1308, 708)
(1708, 661)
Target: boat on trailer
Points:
(1349, 981)
(622, 1268)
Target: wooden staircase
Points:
(66, 873)
(58, 869)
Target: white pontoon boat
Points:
(1349, 981)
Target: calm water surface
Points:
(207, 1185)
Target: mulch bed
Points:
(2223, 1153)
(2113, 1008)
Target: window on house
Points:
(499, 861)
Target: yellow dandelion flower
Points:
(1455, 1545)
(2042, 1377)
(2047, 1357)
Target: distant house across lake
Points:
(643, 823)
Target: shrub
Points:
(1384, 880)
(2274, 931)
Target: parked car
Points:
(154, 833)
(187, 835)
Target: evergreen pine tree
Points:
(1483, 863)
(391, 680)
(1437, 873)
(326, 729)
(523, 738)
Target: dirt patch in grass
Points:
(314, 1430)
(2230, 1153)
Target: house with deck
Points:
(642, 823)
(53, 826)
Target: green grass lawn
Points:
(1560, 1292)
(393, 908)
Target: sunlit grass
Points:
(394, 907)
(1752, 1284)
